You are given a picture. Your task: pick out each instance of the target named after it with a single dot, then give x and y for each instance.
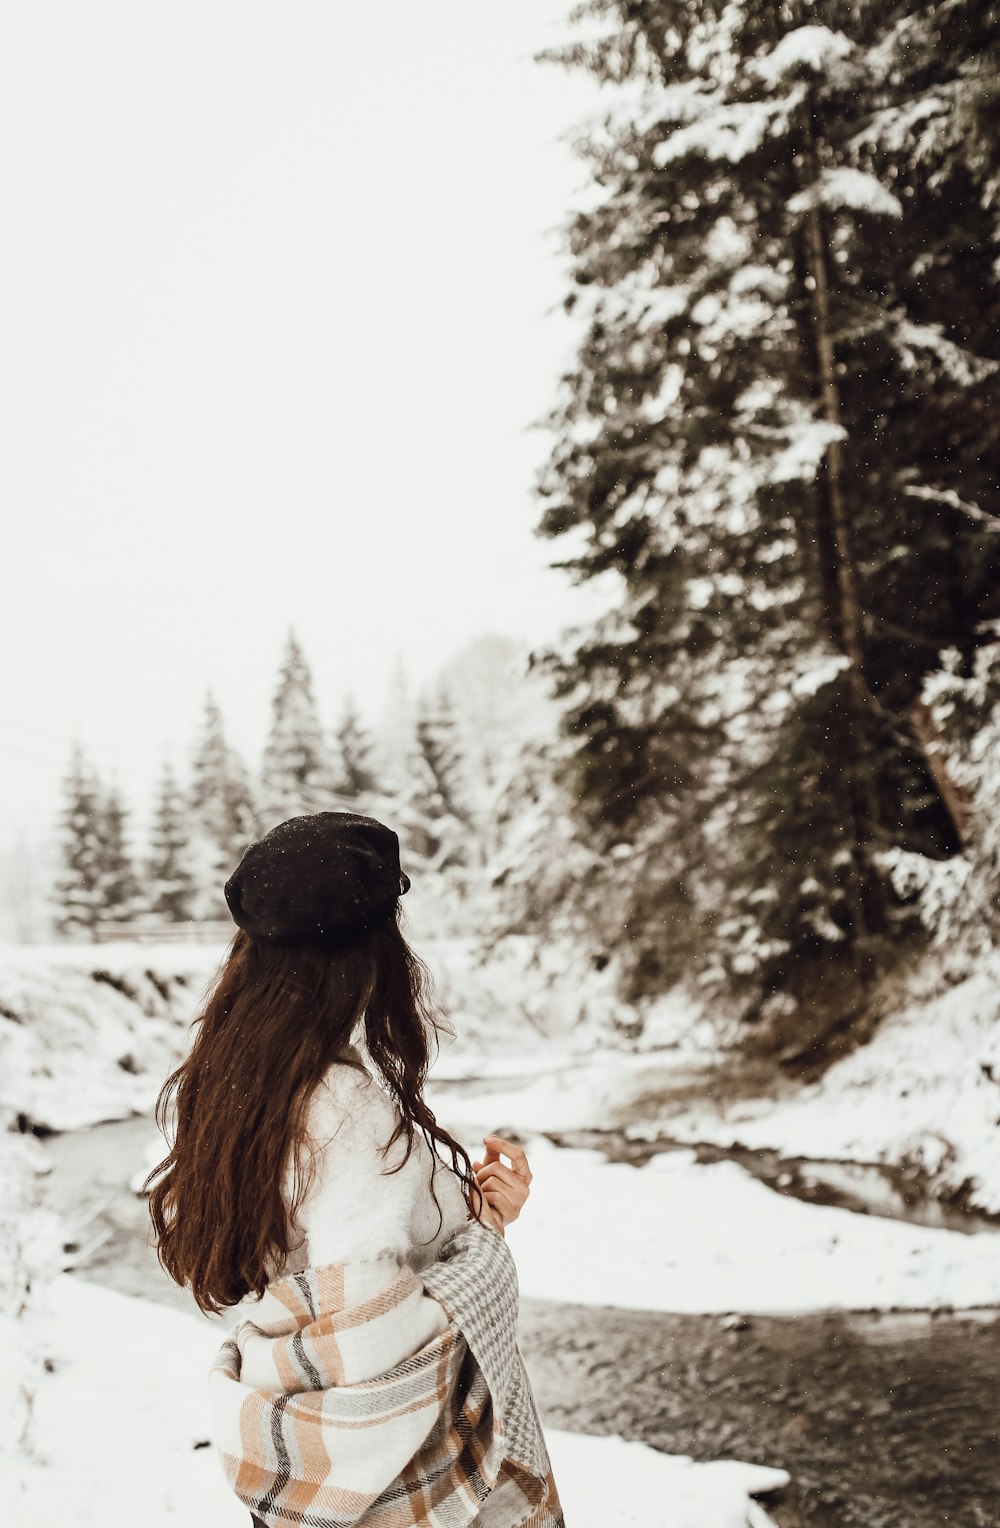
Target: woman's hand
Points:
(504, 1188)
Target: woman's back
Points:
(355, 1207)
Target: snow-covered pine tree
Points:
(439, 797)
(297, 774)
(776, 435)
(410, 790)
(397, 738)
(439, 741)
(121, 895)
(170, 882)
(221, 811)
(496, 706)
(78, 893)
(957, 898)
(240, 802)
(355, 768)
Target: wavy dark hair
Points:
(273, 1021)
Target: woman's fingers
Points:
(497, 1175)
(490, 1213)
(509, 1195)
(502, 1205)
(505, 1188)
(495, 1144)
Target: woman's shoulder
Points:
(349, 1102)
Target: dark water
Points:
(883, 1421)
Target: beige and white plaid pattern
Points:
(366, 1395)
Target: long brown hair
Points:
(272, 1024)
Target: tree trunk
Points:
(843, 597)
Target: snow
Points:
(765, 279)
(924, 1093)
(76, 1047)
(121, 1432)
(676, 102)
(678, 1235)
(847, 188)
(738, 317)
(537, 1048)
(727, 130)
(951, 498)
(895, 127)
(674, 1234)
(819, 672)
(808, 444)
(812, 47)
(963, 367)
(64, 1034)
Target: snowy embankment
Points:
(673, 1235)
(922, 1095)
(121, 1432)
(89, 1032)
(682, 1236)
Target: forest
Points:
(770, 766)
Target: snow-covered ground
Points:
(89, 1032)
(924, 1092)
(683, 1236)
(672, 1235)
(676, 1235)
(121, 1434)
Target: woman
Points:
(295, 1144)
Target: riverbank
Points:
(674, 1234)
(89, 1033)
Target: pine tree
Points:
(170, 873)
(957, 898)
(439, 797)
(240, 804)
(222, 813)
(494, 706)
(397, 734)
(120, 892)
(78, 889)
(408, 784)
(297, 775)
(438, 739)
(776, 436)
(355, 769)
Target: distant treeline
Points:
(437, 767)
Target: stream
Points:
(882, 1420)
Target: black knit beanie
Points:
(317, 880)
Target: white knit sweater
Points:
(351, 1210)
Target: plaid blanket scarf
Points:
(364, 1394)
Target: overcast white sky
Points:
(276, 311)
